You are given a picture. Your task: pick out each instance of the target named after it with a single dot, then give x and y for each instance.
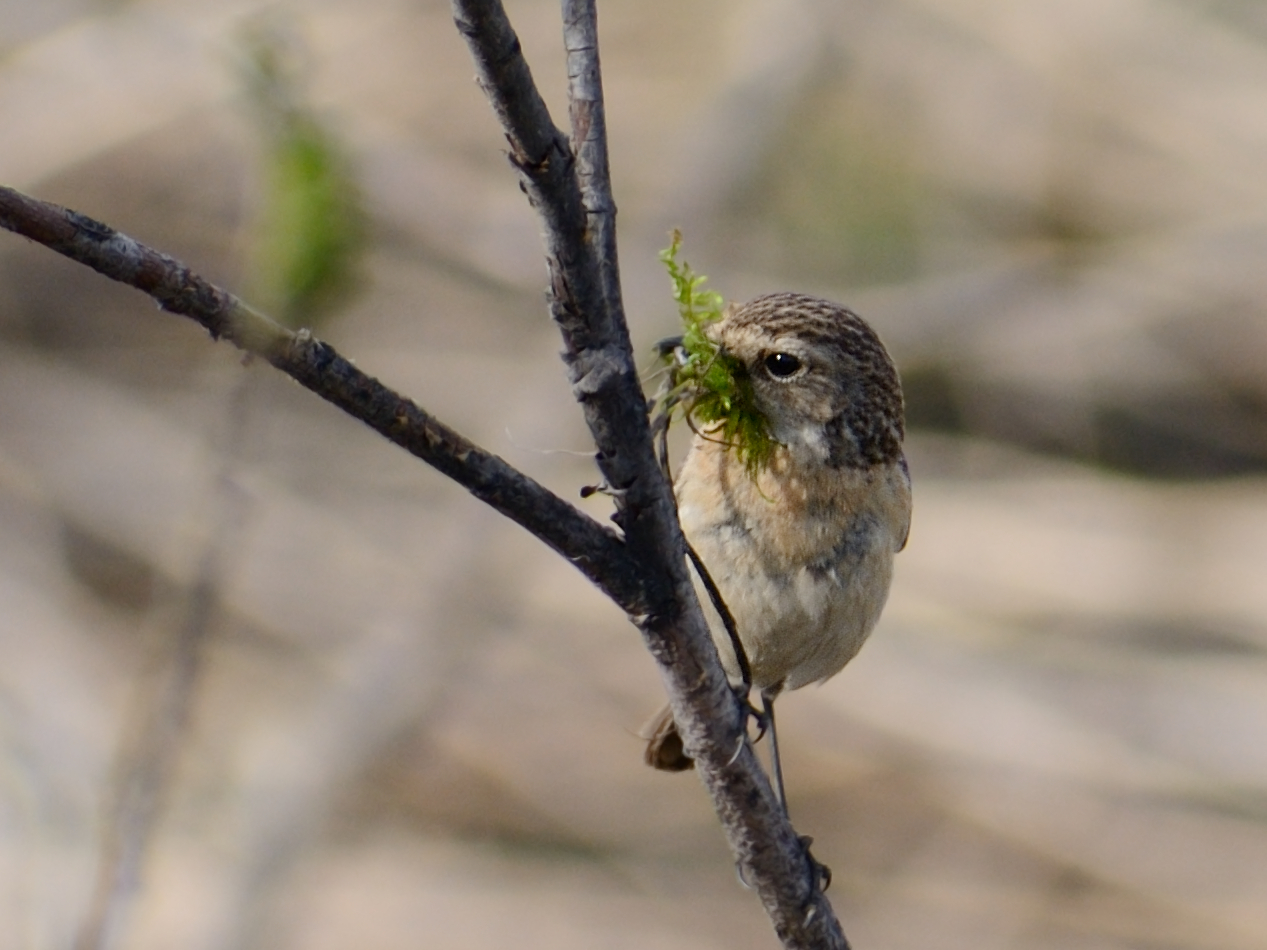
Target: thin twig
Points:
(666, 399)
(163, 721)
(587, 116)
(727, 618)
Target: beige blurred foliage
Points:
(414, 724)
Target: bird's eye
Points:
(782, 365)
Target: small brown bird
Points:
(802, 554)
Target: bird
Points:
(800, 550)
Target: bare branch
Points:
(588, 118)
(597, 350)
(572, 193)
(162, 722)
(595, 550)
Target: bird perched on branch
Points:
(798, 537)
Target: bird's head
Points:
(819, 375)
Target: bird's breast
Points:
(803, 559)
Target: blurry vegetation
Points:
(1248, 16)
(1179, 437)
(835, 195)
(302, 267)
(931, 401)
(312, 226)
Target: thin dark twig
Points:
(727, 618)
(661, 429)
(768, 696)
(667, 398)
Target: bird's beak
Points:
(725, 354)
(666, 346)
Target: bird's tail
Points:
(664, 744)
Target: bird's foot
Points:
(752, 712)
(820, 873)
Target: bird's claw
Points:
(821, 873)
(753, 712)
(762, 719)
(603, 488)
(668, 346)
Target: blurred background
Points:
(265, 681)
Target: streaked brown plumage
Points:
(803, 555)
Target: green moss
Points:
(711, 389)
